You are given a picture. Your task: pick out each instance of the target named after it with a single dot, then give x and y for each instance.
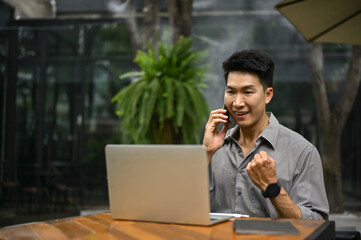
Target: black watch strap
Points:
(272, 190)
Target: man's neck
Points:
(248, 136)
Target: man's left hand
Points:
(262, 170)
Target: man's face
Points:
(246, 99)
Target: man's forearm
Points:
(285, 207)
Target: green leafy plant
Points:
(164, 103)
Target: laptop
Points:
(159, 183)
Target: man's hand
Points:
(262, 170)
(213, 138)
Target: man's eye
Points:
(248, 92)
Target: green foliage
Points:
(111, 40)
(164, 103)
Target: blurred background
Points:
(60, 62)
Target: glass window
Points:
(64, 112)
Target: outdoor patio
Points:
(63, 62)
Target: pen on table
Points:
(230, 214)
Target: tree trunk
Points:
(180, 17)
(332, 171)
(332, 123)
(150, 30)
(135, 39)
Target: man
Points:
(260, 167)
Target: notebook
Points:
(274, 227)
(159, 183)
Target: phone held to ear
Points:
(227, 114)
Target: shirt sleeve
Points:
(308, 190)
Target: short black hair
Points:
(252, 61)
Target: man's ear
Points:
(268, 94)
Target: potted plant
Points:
(164, 103)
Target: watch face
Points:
(272, 190)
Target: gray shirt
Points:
(298, 167)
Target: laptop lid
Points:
(160, 183)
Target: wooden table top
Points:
(102, 226)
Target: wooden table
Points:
(102, 226)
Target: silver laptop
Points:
(159, 183)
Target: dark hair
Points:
(252, 61)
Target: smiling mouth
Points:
(241, 114)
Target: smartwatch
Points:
(272, 190)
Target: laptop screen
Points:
(162, 183)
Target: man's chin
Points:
(243, 124)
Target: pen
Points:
(229, 214)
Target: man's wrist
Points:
(210, 153)
(272, 190)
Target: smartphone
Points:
(227, 114)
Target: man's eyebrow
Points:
(249, 86)
(229, 87)
(243, 88)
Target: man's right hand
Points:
(213, 138)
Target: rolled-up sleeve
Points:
(308, 190)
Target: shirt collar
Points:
(270, 133)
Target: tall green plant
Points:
(164, 103)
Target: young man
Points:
(260, 167)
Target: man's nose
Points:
(238, 102)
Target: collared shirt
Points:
(298, 168)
